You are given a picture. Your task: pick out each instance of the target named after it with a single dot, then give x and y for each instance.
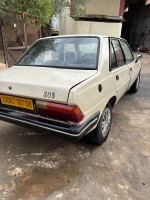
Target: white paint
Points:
(107, 190)
(59, 195)
(122, 186)
(69, 26)
(29, 165)
(32, 133)
(31, 82)
(31, 154)
(16, 172)
(48, 164)
(1, 187)
(116, 162)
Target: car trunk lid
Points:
(43, 83)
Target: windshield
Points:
(72, 52)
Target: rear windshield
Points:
(72, 52)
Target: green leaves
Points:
(37, 11)
(79, 6)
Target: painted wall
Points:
(107, 7)
(68, 26)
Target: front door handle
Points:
(117, 77)
(131, 69)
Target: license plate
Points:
(17, 102)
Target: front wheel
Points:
(134, 88)
(100, 134)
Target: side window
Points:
(118, 53)
(127, 52)
(113, 58)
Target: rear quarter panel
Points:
(86, 95)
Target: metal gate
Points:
(15, 38)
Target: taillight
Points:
(60, 111)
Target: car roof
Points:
(77, 35)
(81, 35)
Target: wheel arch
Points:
(112, 101)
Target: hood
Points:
(34, 82)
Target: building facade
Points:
(102, 17)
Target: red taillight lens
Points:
(60, 111)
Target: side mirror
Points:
(138, 57)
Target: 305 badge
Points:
(50, 95)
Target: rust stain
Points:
(41, 182)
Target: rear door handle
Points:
(131, 69)
(117, 77)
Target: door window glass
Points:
(127, 52)
(113, 58)
(118, 52)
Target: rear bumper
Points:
(72, 131)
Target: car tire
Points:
(134, 88)
(100, 134)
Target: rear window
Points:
(86, 48)
(71, 52)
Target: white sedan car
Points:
(69, 85)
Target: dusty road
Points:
(41, 166)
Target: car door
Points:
(118, 67)
(129, 58)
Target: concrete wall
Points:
(69, 26)
(103, 7)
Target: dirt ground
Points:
(41, 166)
